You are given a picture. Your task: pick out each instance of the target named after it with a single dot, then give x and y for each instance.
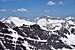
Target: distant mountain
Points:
(46, 33)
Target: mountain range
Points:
(44, 33)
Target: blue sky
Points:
(37, 7)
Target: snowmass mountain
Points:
(17, 21)
(46, 33)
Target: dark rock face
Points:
(2, 25)
(33, 35)
(73, 31)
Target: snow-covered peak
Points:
(68, 18)
(17, 21)
(49, 23)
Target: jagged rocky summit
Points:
(44, 34)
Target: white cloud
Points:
(6, 0)
(3, 10)
(22, 10)
(46, 11)
(61, 2)
(51, 3)
(15, 10)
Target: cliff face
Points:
(2, 25)
(34, 37)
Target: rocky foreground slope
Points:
(44, 34)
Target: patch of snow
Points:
(36, 40)
(70, 40)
